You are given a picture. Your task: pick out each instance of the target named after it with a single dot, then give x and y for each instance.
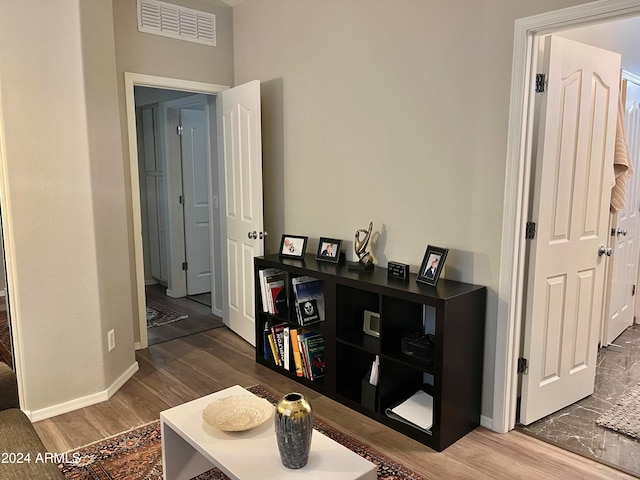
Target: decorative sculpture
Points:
(360, 245)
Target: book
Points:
(279, 298)
(276, 292)
(286, 334)
(266, 349)
(262, 275)
(278, 336)
(309, 299)
(417, 411)
(314, 346)
(274, 349)
(297, 359)
(302, 333)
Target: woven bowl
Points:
(237, 412)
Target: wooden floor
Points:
(180, 370)
(199, 314)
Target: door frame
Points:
(132, 80)
(517, 189)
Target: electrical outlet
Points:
(111, 339)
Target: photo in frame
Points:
(293, 246)
(432, 264)
(371, 323)
(329, 250)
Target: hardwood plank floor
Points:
(199, 317)
(180, 370)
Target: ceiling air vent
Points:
(168, 20)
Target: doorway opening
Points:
(237, 117)
(174, 162)
(590, 425)
(173, 209)
(517, 193)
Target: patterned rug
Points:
(160, 315)
(624, 417)
(137, 454)
(5, 339)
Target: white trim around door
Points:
(516, 198)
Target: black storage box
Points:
(418, 345)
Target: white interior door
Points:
(195, 184)
(572, 182)
(625, 233)
(239, 117)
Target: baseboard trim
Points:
(86, 401)
(486, 422)
(137, 346)
(122, 379)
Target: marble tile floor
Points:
(574, 427)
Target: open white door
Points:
(195, 183)
(625, 243)
(572, 182)
(239, 117)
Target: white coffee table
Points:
(191, 447)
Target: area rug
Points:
(624, 416)
(137, 454)
(160, 315)
(5, 339)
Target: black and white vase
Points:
(294, 426)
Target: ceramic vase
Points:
(294, 426)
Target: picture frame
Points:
(371, 323)
(292, 246)
(329, 250)
(432, 264)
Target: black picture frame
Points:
(426, 273)
(329, 250)
(292, 246)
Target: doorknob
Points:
(604, 251)
(264, 234)
(621, 232)
(253, 235)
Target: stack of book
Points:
(311, 350)
(273, 288)
(309, 299)
(298, 349)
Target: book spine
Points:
(274, 350)
(305, 359)
(296, 352)
(286, 333)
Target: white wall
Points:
(391, 112)
(63, 208)
(619, 36)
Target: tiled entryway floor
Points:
(574, 427)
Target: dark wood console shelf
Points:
(452, 312)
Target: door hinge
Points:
(185, 266)
(541, 82)
(633, 290)
(530, 232)
(179, 130)
(523, 365)
(181, 199)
